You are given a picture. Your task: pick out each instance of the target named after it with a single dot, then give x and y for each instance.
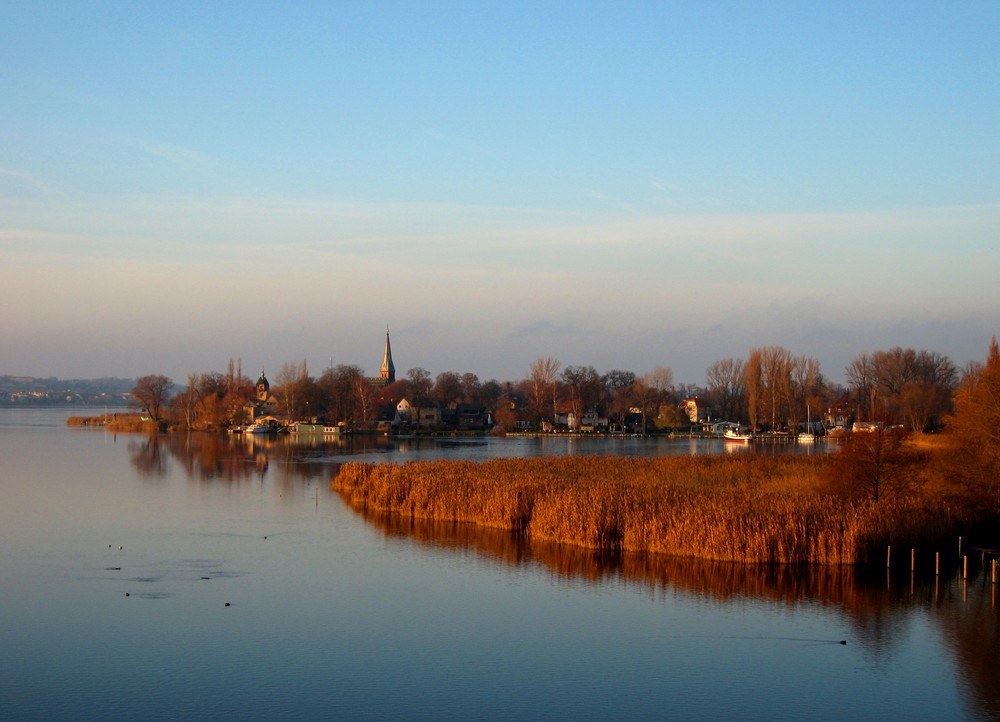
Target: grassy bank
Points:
(750, 508)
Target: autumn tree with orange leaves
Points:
(974, 431)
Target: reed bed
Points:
(751, 509)
(122, 422)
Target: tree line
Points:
(771, 388)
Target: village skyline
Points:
(835, 377)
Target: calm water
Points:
(120, 555)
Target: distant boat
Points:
(807, 437)
(736, 437)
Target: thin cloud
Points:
(18, 183)
(666, 188)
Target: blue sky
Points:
(623, 185)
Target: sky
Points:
(623, 185)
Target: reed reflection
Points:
(878, 608)
(971, 629)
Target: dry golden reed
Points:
(121, 422)
(752, 509)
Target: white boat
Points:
(736, 437)
(807, 437)
(267, 425)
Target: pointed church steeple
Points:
(388, 371)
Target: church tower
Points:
(388, 371)
(263, 387)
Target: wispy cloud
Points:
(666, 188)
(19, 184)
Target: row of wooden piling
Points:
(937, 561)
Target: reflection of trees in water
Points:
(878, 608)
(147, 456)
(237, 458)
(971, 628)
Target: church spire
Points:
(388, 371)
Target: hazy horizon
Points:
(613, 185)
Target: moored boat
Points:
(807, 437)
(266, 425)
(736, 437)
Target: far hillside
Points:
(31, 391)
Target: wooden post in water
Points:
(937, 563)
(913, 560)
(888, 555)
(960, 547)
(994, 572)
(965, 567)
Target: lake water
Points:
(210, 577)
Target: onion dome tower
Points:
(263, 387)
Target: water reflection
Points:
(881, 612)
(879, 608)
(970, 629)
(235, 457)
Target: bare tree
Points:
(875, 463)
(489, 394)
(339, 385)
(726, 383)
(660, 379)
(151, 394)
(807, 384)
(617, 384)
(291, 384)
(471, 389)
(861, 381)
(777, 371)
(186, 404)
(753, 382)
(420, 384)
(645, 398)
(903, 386)
(583, 387)
(447, 389)
(542, 379)
(365, 397)
(617, 379)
